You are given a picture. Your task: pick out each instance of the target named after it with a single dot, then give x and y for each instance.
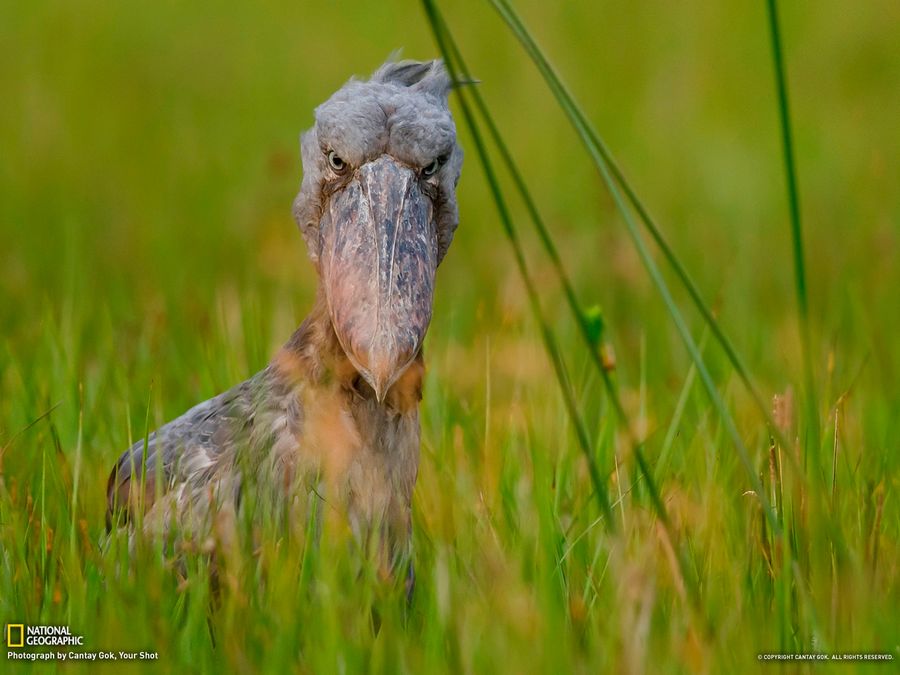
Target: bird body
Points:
(334, 415)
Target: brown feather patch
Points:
(406, 393)
(329, 431)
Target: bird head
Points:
(377, 208)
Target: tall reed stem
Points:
(509, 229)
(787, 144)
(592, 143)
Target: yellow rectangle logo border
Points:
(9, 634)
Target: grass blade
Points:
(546, 332)
(790, 172)
(651, 226)
(590, 140)
(550, 248)
(453, 58)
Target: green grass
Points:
(148, 159)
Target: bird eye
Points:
(432, 168)
(337, 164)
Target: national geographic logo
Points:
(35, 643)
(19, 635)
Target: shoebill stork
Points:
(337, 407)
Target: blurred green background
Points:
(150, 155)
(148, 159)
